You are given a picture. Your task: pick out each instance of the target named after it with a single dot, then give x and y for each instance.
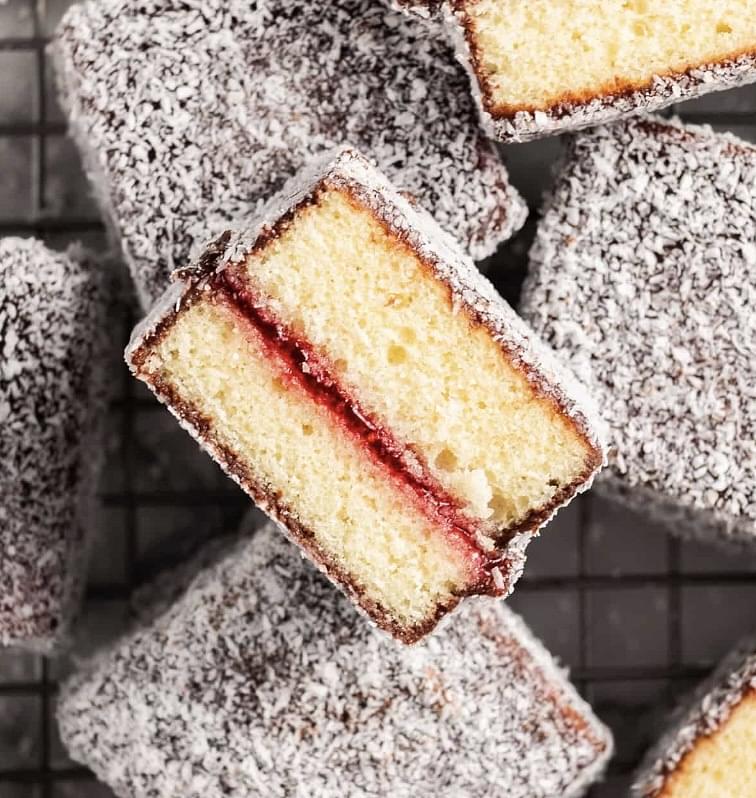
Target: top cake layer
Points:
(50, 309)
(423, 343)
(360, 379)
(710, 751)
(259, 680)
(544, 66)
(643, 277)
(189, 112)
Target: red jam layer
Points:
(309, 371)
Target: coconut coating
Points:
(263, 680)
(235, 97)
(643, 277)
(50, 312)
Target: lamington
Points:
(190, 112)
(262, 681)
(360, 379)
(643, 278)
(51, 306)
(710, 752)
(540, 68)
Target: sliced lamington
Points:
(261, 681)
(643, 276)
(189, 112)
(352, 370)
(540, 67)
(50, 396)
(710, 752)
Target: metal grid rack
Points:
(639, 617)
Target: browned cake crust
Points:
(614, 94)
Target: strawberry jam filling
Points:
(309, 371)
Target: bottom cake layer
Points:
(384, 542)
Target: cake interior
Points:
(388, 330)
(221, 372)
(722, 765)
(335, 372)
(534, 54)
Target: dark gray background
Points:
(637, 616)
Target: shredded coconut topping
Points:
(261, 680)
(469, 288)
(190, 112)
(707, 711)
(643, 276)
(50, 309)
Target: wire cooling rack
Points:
(638, 616)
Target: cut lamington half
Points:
(352, 370)
(642, 277)
(257, 680)
(710, 751)
(540, 67)
(189, 114)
